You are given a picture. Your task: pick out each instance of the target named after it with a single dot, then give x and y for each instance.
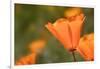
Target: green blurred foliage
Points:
(29, 25)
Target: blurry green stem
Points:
(73, 54)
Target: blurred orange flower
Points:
(35, 48)
(29, 59)
(86, 46)
(67, 32)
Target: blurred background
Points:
(30, 23)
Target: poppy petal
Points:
(60, 30)
(51, 28)
(75, 27)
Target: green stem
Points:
(73, 54)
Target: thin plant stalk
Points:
(73, 54)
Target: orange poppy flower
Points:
(67, 32)
(86, 47)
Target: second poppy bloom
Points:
(86, 47)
